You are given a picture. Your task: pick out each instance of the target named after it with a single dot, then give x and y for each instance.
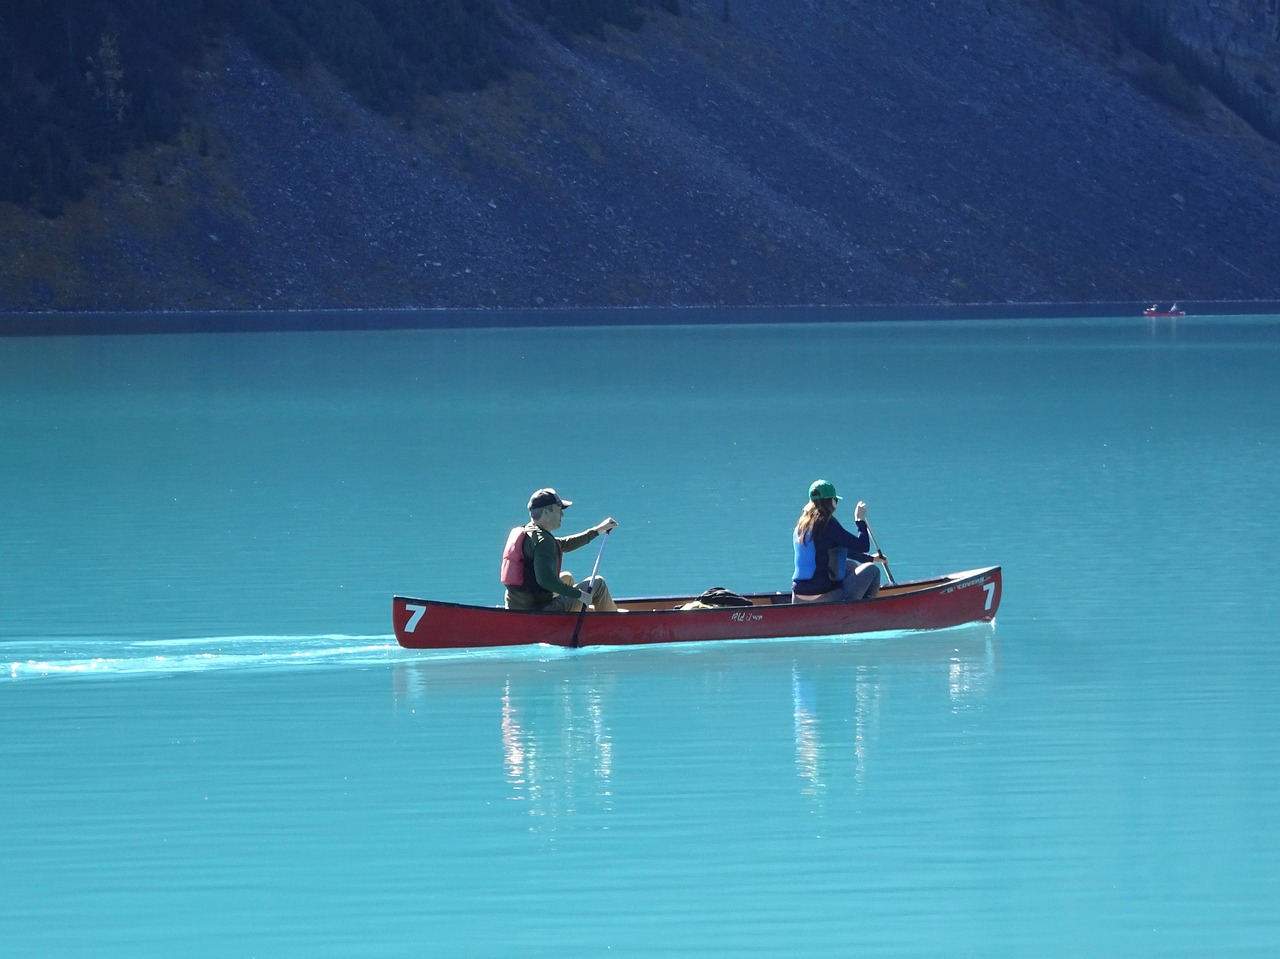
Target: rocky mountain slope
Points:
(1247, 29)
(808, 152)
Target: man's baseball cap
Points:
(546, 497)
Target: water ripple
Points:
(106, 658)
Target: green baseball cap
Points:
(821, 489)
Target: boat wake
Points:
(113, 657)
(90, 658)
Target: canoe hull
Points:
(972, 596)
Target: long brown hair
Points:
(814, 518)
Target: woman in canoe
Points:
(832, 564)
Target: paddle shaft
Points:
(880, 553)
(604, 539)
(577, 627)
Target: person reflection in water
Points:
(532, 558)
(832, 564)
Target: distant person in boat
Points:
(531, 561)
(832, 564)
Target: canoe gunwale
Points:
(674, 604)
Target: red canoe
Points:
(952, 600)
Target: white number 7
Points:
(417, 611)
(988, 588)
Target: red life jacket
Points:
(517, 566)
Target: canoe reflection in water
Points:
(559, 765)
(836, 713)
(575, 734)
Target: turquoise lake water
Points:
(210, 744)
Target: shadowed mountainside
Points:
(813, 152)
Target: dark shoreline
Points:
(136, 322)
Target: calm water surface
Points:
(211, 745)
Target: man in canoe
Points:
(531, 561)
(832, 564)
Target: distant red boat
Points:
(951, 600)
(1154, 310)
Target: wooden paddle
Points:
(880, 553)
(577, 628)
